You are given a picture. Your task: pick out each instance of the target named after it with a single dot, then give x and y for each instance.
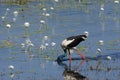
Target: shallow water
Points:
(68, 18)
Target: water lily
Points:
(47, 14)
(44, 9)
(8, 25)
(26, 24)
(14, 19)
(109, 57)
(15, 13)
(116, 2)
(7, 9)
(3, 17)
(99, 50)
(11, 67)
(42, 21)
(53, 44)
(31, 44)
(52, 8)
(42, 47)
(56, 0)
(102, 9)
(45, 37)
(46, 44)
(28, 41)
(22, 45)
(101, 42)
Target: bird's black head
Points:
(84, 37)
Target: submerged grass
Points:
(6, 44)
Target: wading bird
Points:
(72, 42)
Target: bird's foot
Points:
(70, 58)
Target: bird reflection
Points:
(70, 74)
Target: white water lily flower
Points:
(31, 44)
(8, 25)
(3, 17)
(44, 9)
(11, 67)
(53, 44)
(26, 24)
(56, 0)
(46, 44)
(45, 37)
(52, 8)
(42, 21)
(42, 47)
(15, 13)
(101, 42)
(22, 45)
(7, 9)
(102, 9)
(27, 41)
(109, 57)
(47, 14)
(116, 1)
(99, 50)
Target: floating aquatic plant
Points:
(82, 48)
(7, 43)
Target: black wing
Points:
(77, 40)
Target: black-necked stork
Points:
(72, 42)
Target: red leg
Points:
(83, 57)
(70, 57)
